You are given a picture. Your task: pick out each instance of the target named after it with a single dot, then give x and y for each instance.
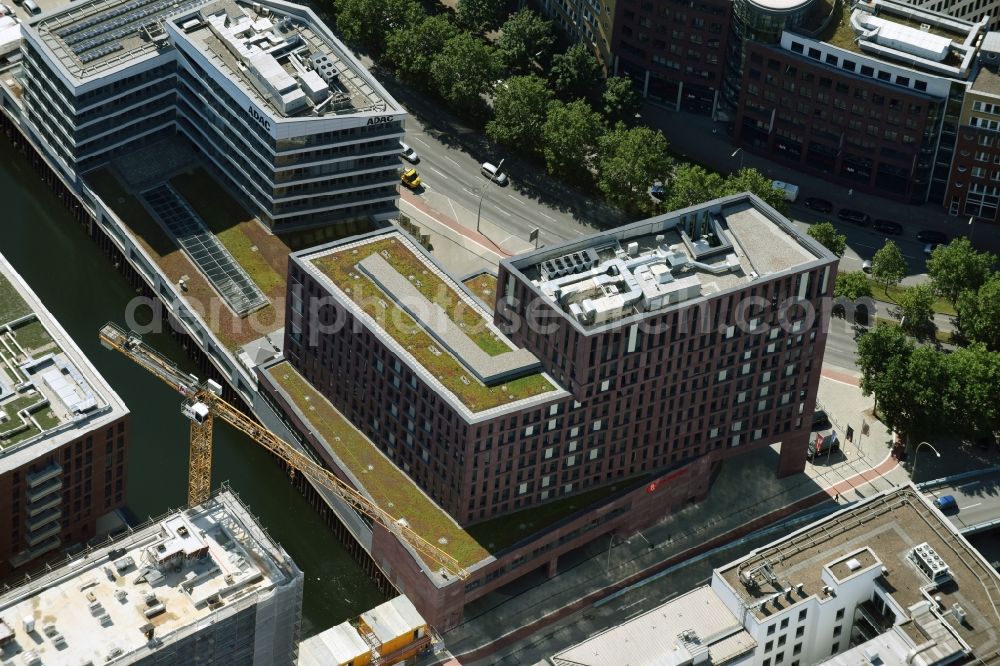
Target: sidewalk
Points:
(745, 497)
(943, 322)
(690, 136)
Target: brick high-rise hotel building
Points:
(674, 343)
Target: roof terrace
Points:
(419, 309)
(650, 266)
(900, 542)
(49, 392)
(120, 602)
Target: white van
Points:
(31, 7)
(487, 169)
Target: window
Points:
(797, 649)
(770, 630)
(837, 630)
(835, 648)
(799, 632)
(840, 614)
(722, 375)
(768, 646)
(784, 623)
(782, 640)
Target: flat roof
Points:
(393, 619)
(157, 582)
(430, 321)
(987, 81)
(645, 268)
(668, 635)
(888, 530)
(50, 393)
(280, 54)
(340, 644)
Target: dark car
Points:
(819, 205)
(928, 236)
(854, 217)
(888, 227)
(946, 503)
(820, 419)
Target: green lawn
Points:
(391, 489)
(12, 306)
(412, 336)
(484, 286)
(941, 306)
(33, 336)
(47, 418)
(940, 336)
(504, 531)
(14, 421)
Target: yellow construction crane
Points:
(203, 402)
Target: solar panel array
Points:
(205, 250)
(99, 35)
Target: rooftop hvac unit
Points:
(959, 613)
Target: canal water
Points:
(84, 291)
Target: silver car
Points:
(408, 153)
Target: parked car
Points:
(408, 153)
(946, 503)
(854, 217)
(657, 190)
(888, 227)
(410, 178)
(928, 236)
(819, 205)
(929, 248)
(820, 419)
(490, 171)
(866, 265)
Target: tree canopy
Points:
(575, 73)
(888, 265)
(691, 184)
(367, 23)
(479, 15)
(620, 101)
(753, 181)
(520, 105)
(525, 37)
(410, 51)
(463, 71)
(916, 310)
(956, 267)
(828, 236)
(629, 160)
(979, 314)
(570, 138)
(853, 285)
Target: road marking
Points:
(514, 198)
(473, 192)
(452, 161)
(548, 217)
(505, 212)
(439, 173)
(422, 142)
(969, 506)
(968, 483)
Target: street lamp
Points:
(913, 472)
(972, 228)
(482, 194)
(738, 151)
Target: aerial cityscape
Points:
(470, 332)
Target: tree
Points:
(916, 309)
(877, 349)
(826, 234)
(620, 101)
(629, 160)
(753, 181)
(464, 70)
(888, 265)
(853, 285)
(411, 51)
(575, 72)
(569, 139)
(975, 374)
(479, 15)
(922, 401)
(979, 314)
(957, 266)
(524, 38)
(520, 105)
(690, 185)
(368, 22)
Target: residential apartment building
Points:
(678, 366)
(589, 22)
(886, 581)
(63, 434)
(974, 180)
(204, 585)
(284, 112)
(674, 51)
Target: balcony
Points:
(36, 538)
(26, 556)
(49, 472)
(51, 486)
(41, 520)
(48, 503)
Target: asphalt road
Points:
(841, 346)
(978, 499)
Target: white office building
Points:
(288, 117)
(201, 586)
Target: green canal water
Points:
(83, 290)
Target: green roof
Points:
(12, 306)
(341, 268)
(385, 483)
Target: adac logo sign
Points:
(380, 120)
(259, 117)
